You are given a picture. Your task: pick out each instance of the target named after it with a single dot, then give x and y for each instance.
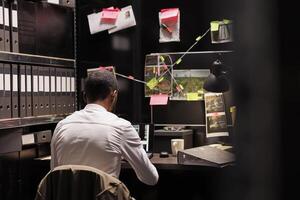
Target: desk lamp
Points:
(217, 80)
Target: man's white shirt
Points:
(98, 138)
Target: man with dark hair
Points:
(98, 138)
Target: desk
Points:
(176, 182)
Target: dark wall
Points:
(105, 49)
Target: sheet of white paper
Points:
(95, 25)
(58, 84)
(6, 16)
(1, 82)
(63, 84)
(47, 89)
(28, 77)
(35, 83)
(28, 139)
(53, 1)
(23, 83)
(52, 83)
(72, 84)
(41, 83)
(7, 82)
(1, 15)
(15, 83)
(15, 18)
(68, 84)
(125, 20)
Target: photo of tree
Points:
(188, 84)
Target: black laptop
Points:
(146, 133)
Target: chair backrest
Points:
(77, 182)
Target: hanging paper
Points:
(169, 22)
(125, 19)
(221, 31)
(95, 24)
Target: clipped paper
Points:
(94, 20)
(125, 20)
(160, 99)
(169, 29)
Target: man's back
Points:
(97, 138)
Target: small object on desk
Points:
(164, 154)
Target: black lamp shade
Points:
(216, 83)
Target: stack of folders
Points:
(31, 90)
(9, 39)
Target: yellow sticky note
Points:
(160, 79)
(214, 26)
(198, 38)
(193, 96)
(232, 109)
(178, 61)
(152, 83)
(226, 21)
(162, 59)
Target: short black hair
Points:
(99, 84)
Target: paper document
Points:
(125, 20)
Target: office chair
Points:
(78, 182)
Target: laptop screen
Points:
(145, 132)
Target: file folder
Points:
(35, 91)
(7, 91)
(28, 91)
(68, 93)
(6, 26)
(41, 96)
(14, 27)
(52, 91)
(64, 91)
(15, 91)
(58, 91)
(1, 91)
(22, 86)
(46, 73)
(73, 86)
(1, 28)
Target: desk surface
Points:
(169, 163)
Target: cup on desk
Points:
(176, 145)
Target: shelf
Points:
(30, 121)
(21, 58)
